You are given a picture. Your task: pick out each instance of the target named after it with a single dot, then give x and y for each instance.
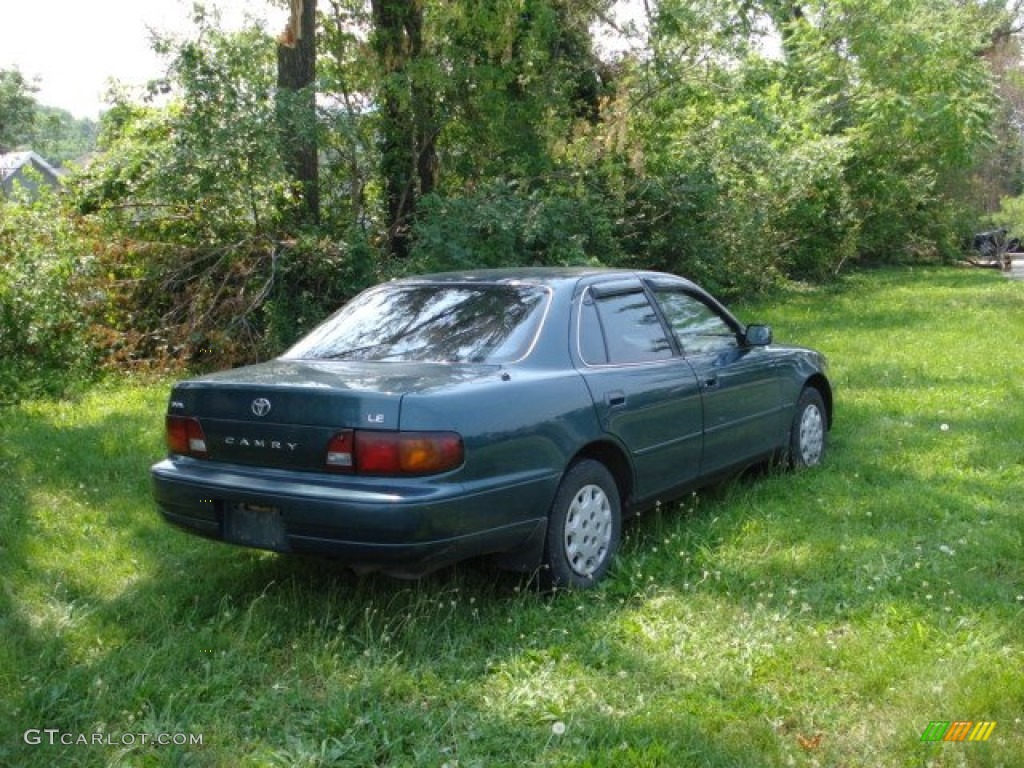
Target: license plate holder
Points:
(255, 525)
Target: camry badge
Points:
(261, 406)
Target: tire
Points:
(584, 528)
(807, 436)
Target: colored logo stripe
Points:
(958, 730)
(935, 731)
(982, 731)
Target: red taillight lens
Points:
(185, 437)
(394, 453)
(378, 453)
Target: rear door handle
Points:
(711, 382)
(615, 399)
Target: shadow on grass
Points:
(116, 623)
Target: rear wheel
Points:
(807, 435)
(584, 527)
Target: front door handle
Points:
(711, 382)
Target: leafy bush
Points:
(1010, 215)
(220, 305)
(48, 296)
(205, 168)
(314, 277)
(516, 146)
(503, 223)
(192, 198)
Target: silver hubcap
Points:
(812, 435)
(588, 530)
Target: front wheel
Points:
(807, 435)
(584, 528)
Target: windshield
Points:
(443, 322)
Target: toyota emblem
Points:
(261, 406)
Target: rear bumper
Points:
(406, 529)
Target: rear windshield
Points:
(452, 323)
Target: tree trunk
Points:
(408, 132)
(425, 128)
(296, 107)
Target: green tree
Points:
(195, 192)
(24, 123)
(999, 171)
(519, 78)
(60, 137)
(17, 109)
(49, 301)
(347, 73)
(464, 91)
(904, 83)
(296, 105)
(744, 165)
(408, 155)
(209, 260)
(205, 167)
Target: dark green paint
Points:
(663, 427)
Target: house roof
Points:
(12, 162)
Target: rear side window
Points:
(452, 323)
(592, 348)
(621, 329)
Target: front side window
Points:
(699, 329)
(629, 328)
(453, 323)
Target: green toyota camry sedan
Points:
(515, 414)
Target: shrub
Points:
(505, 223)
(314, 277)
(48, 296)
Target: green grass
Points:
(819, 619)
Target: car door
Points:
(644, 392)
(739, 384)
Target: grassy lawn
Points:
(819, 619)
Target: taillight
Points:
(339, 452)
(394, 453)
(185, 436)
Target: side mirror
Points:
(758, 335)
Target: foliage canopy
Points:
(743, 144)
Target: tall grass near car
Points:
(821, 619)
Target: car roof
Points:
(549, 276)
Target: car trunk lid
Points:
(284, 413)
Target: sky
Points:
(74, 46)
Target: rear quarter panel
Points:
(519, 430)
(527, 423)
